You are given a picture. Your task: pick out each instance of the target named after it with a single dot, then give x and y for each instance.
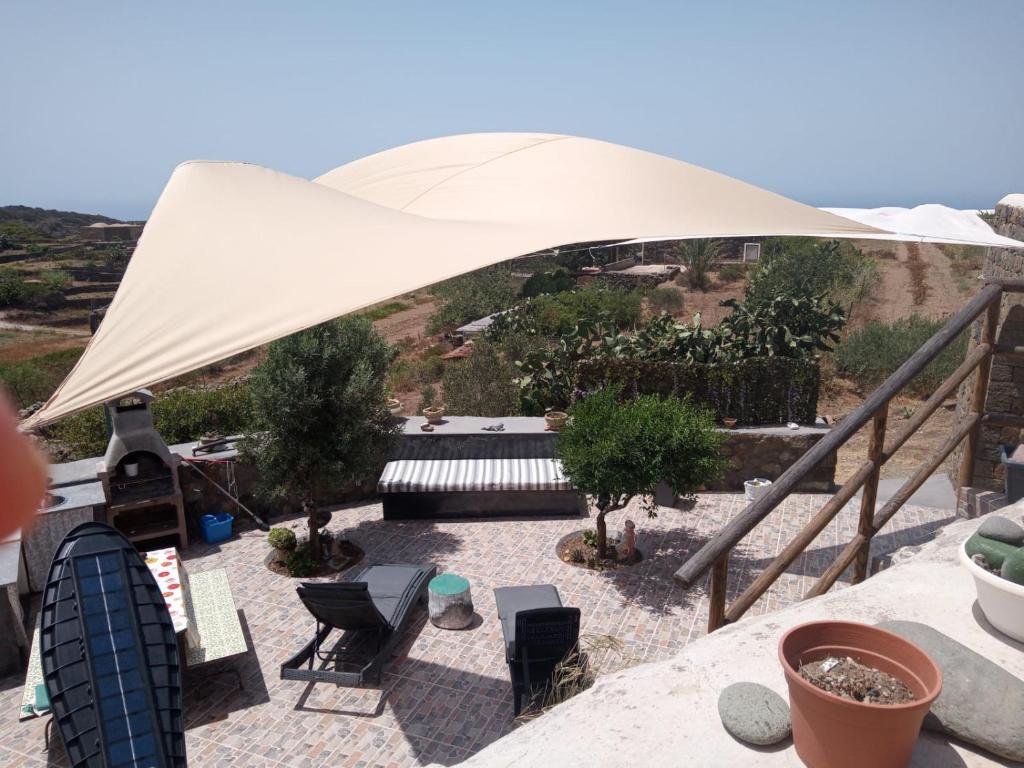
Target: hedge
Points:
(759, 390)
(180, 415)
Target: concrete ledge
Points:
(666, 714)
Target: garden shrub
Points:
(665, 298)
(282, 538)
(765, 390)
(17, 290)
(34, 380)
(551, 316)
(470, 297)
(408, 373)
(730, 273)
(481, 384)
(385, 310)
(548, 282)
(179, 415)
(869, 355)
(796, 267)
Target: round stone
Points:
(1003, 529)
(755, 714)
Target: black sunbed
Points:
(371, 611)
(538, 632)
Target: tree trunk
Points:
(314, 530)
(602, 535)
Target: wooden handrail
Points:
(714, 550)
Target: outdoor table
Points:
(172, 578)
(449, 601)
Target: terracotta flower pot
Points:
(729, 422)
(833, 732)
(555, 420)
(434, 414)
(394, 406)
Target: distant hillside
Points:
(26, 224)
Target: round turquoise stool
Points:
(449, 601)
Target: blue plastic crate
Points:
(216, 528)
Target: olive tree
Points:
(319, 413)
(614, 450)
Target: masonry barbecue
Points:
(140, 474)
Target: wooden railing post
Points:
(988, 336)
(716, 600)
(869, 496)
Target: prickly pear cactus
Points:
(1013, 567)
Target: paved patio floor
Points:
(447, 694)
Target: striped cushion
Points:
(473, 475)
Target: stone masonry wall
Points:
(1006, 382)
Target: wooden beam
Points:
(799, 543)
(988, 336)
(929, 406)
(905, 491)
(968, 425)
(734, 531)
(865, 525)
(1009, 285)
(719, 585)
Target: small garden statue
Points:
(627, 548)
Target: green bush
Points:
(481, 384)
(758, 390)
(34, 380)
(470, 297)
(180, 415)
(869, 355)
(17, 290)
(730, 273)
(408, 373)
(385, 310)
(282, 538)
(300, 563)
(796, 267)
(665, 298)
(551, 316)
(539, 283)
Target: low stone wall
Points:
(769, 451)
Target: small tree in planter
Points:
(614, 450)
(319, 413)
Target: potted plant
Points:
(431, 409)
(729, 422)
(555, 420)
(283, 541)
(1000, 598)
(834, 731)
(394, 406)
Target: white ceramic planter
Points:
(1001, 600)
(756, 488)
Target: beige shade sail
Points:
(236, 255)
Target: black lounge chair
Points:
(371, 611)
(539, 633)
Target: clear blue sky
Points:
(857, 103)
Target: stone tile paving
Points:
(446, 695)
